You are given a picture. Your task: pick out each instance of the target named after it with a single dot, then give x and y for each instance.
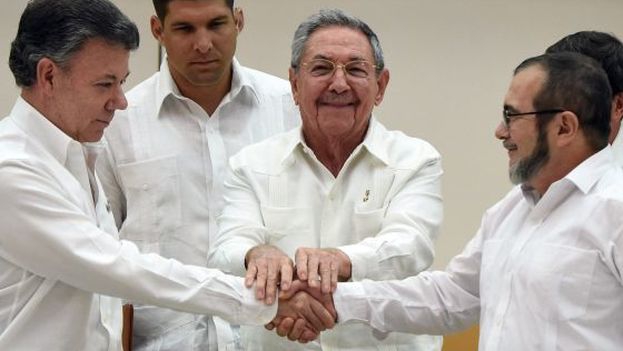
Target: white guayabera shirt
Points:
(59, 251)
(383, 210)
(540, 275)
(164, 179)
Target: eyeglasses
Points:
(508, 116)
(321, 68)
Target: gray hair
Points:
(334, 17)
(57, 29)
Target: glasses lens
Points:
(320, 68)
(359, 69)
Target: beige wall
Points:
(450, 64)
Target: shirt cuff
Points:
(252, 310)
(349, 302)
(363, 261)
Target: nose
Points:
(203, 41)
(339, 83)
(501, 131)
(117, 100)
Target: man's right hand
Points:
(268, 267)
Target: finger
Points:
(295, 286)
(297, 330)
(334, 276)
(260, 282)
(323, 315)
(310, 315)
(301, 263)
(313, 279)
(285, 326)
(325, 275)
(249, 277)
(286, 275)
(270, 325)
(308, 335)
(271, 283)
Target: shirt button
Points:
(145, 187)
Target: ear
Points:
(47, 71)
(567, 127)
(617, 106)
(157, 28)
(292, 76)
(239, 18)
(381, 81)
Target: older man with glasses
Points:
(341, 198)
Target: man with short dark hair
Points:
(544, 272)
(60, 257)
(608, 51)
(167, 153)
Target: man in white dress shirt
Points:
(608, 51)
(59, 249)
(343, 197)
(167, 153)
(544, 272)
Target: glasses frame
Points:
(507, 116)
(341, 66)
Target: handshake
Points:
(304, 289)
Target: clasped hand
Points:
(305, 301)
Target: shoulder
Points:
(268, 154)
(266, 84)
(404, 151)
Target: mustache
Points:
(508, 145)
(331, 98)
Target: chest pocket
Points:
(289, 227)
(560, 277)
(152, 190)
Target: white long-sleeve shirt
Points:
(540, 275)
(59, 251)
(164, 177)
(383, 210)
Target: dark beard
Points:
(527, 168)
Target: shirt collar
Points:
(374, 142)
(587, 173)
(583, 177)
(240, 83)
(51, 138)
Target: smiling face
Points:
(527, 146)
(337, 105)
(85, 94)
(200, 40)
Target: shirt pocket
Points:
(152, 191)
(288, 226)
(562, 278)
(367, 222)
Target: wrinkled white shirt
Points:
(539, 276)
(383, 210)
(59, 251)
(164, 178)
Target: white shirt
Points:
(59, 250)
(539, 276)
(617, 148)
(164, 176)
(383, 210)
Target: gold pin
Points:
(366, 196)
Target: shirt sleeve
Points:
(437, 302)
(405, 244)
(46, 233)
(240, 225)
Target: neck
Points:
(208, 97)
(559, 165)
(333, 151)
